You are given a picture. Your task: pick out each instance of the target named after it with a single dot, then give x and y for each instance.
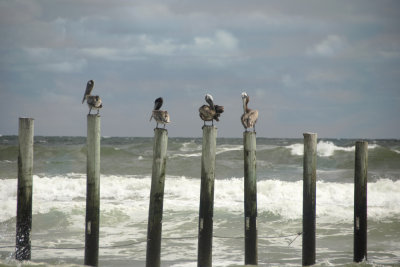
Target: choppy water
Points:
(60, 188)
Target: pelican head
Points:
(210, 100)
(158, 103)
(244, 95)
(88, 91)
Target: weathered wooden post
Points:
(309, 192)
(154, 226)
(250, 198)
(92, 191)
(204, 256)
(360, 201)
(24, 195)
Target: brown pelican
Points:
(160, 116)
(250, 116)
(93, 101)
(210, 112)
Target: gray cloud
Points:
(330, 67)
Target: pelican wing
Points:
(206, 113)
(161, 116)
(94, 101)
(249, 118)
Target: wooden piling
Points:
(24, 195)
(92, 191)
(204, 256)
(154, 226)
(360, 201)
(250, 198)
(309, 195)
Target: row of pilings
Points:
(206, 210)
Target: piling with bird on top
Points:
(249, 119)
(209, 112)
(92, 219)
(154, 226)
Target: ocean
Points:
(59, 191)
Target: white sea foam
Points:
(188, 155)
(8, 161)
(196, 151)
(324, 148)
(130, 195)
(190, 147)
(124, 213)
(296, 149)
(226, 148)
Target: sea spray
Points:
(281, 198)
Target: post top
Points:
(249, 133)
(209, 127)
(160, 129)
(26, 118)
(361, 142)
(308, 134)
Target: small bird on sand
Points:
(250, 116)
(210, 112)
(160, 116)
(93, 101)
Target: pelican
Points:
(93, 101)
(250, 116)
(210, 112)
(160, 116)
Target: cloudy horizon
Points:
(330, 67)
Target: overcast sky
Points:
(330, 67)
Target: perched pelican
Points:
(210, 112)
(250, 116)
(93, 101)
(160, 116)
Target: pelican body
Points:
(93, 101)
(250, 116)
(210, 112)
(160, 116)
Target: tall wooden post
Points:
(154, 226)
(309, 201)
(204, 256)
(250, 198)
(92, 191)
(360, 201)
(24, 195)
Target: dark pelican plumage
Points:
(160, 116)
(210, 112)
(250, 116)
(93, 101)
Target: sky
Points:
(328, 67)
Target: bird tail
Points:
(151, 117)
(219, 109)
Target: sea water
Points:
(59, 193)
